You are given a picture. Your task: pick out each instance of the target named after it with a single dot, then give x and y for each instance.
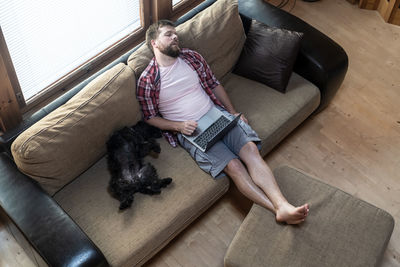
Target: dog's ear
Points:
(155, 146)
(149, 130)
(153, 132)
(141, 124)
(157, 133)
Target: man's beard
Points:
(171, 50)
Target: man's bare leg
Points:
(239, 175)
(263, 177)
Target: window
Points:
(179, 7)
(48, 46)
(49, 39)
(175, 2)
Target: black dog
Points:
(126, 149)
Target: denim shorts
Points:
(215, 159)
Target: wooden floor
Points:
(354, 144)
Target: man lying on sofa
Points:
(175, 90)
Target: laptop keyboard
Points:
(206, 136)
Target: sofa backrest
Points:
(216, 33)
(70, 139)
(8, 138)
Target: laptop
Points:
(211, 128)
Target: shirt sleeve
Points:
(146, 101)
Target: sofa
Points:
(54, 177)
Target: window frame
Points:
(163, 9)
(183, 7)
(10, 115)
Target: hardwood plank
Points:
(11, 253)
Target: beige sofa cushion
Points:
(340, 230)
(271, 114)
(131, 237)
(216, 33)
(70, 139)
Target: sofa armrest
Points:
(50, 231)
(321, 60)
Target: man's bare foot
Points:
(291, 214)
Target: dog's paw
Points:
(147, 191)
(166, 181)
(126, 203)
(157, 149)
(156, 191)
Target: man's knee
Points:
(234, 166)
(250, 148)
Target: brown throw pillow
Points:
(268, 55)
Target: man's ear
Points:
(153, 43)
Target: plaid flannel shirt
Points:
(149, 84)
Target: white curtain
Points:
(47, 39)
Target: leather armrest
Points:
(321, 60)
(50, 231)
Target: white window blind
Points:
(47, 39)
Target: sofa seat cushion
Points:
(216, 33)
(131, 237)
(70, 139)
(271, 114)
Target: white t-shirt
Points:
(181, 95)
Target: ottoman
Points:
(340, 229)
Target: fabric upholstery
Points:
(268, 55)
(271, 114)
(69, 140)
(216, 33)
(340, 229)
(131, 237)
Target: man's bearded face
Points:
(168, 42)
(171, 50)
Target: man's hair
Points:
(153, 31)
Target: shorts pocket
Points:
(202, 160)
(248, 130)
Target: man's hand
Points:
(187, 127)
(242, 117)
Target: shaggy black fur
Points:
(125, 150)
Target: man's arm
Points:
(222, 96)
(184, 127)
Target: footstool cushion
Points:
(340, 230)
